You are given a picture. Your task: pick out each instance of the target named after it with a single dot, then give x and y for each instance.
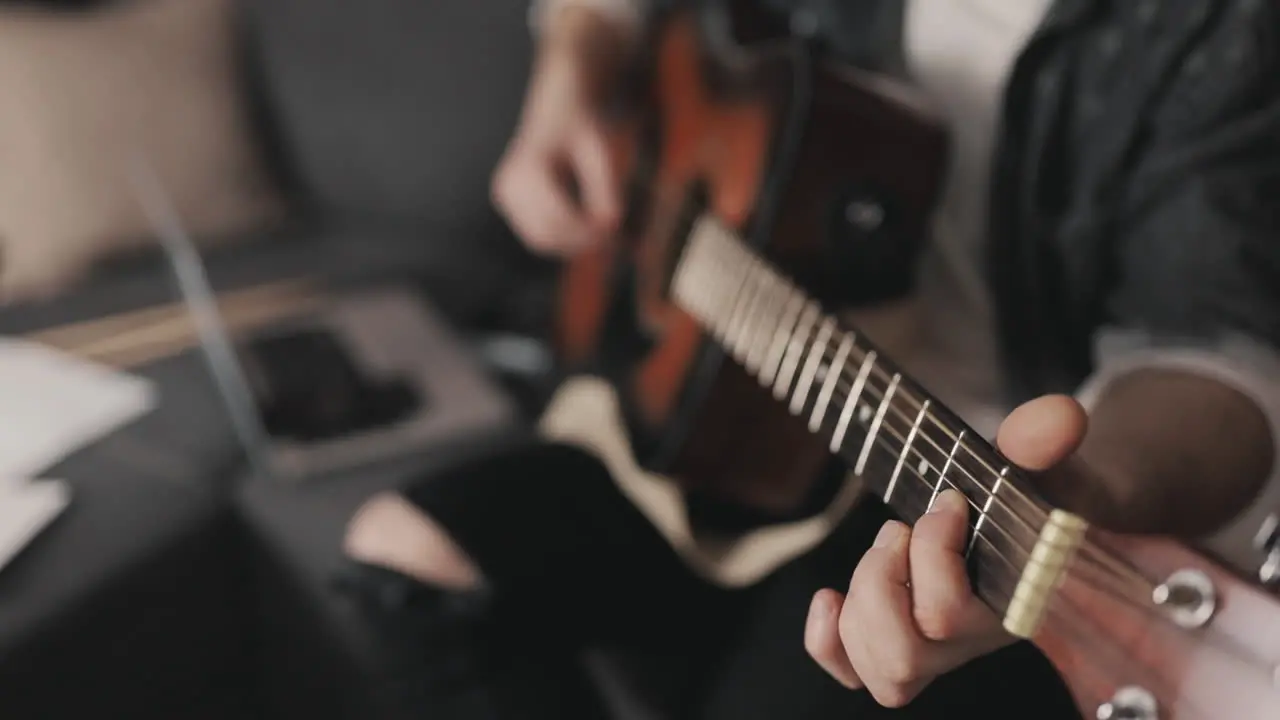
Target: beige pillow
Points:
(81, 94)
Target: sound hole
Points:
(873, 257)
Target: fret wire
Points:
(739, 315)
(1006, 550)
(794, 349)
(751, 319)
(906, 449)
(986, 505)
(728, 278)
(810, 369)
(912, 503)
(738, 318)
(994, 566)
(746, 341)
(837, 439)
(950, 434)
(802, 334)
(740, 266)
(924, 491)
(758, 316)
(781, 390)
(858, 389)
(730, 281)
(762, 328)
(947, 431)
(1029, 524)
(934, 471)
(790, 315)
(882, 440)
(951, 456)
(1018, 532)
(997, 578)
(1020, 527)
(727, 242)
(1139, 586)
(851, 400)
(875, 425)
(829, 382)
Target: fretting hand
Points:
(909, 614)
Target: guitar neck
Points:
(905, 445)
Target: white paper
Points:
(26, 508)
(53, 404)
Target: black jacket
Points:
(1137, 178)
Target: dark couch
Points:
(178, 586)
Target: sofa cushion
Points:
(87, 93)
(396, 108)
(129, 604)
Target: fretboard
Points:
(905, 445)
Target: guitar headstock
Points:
(1143, 628)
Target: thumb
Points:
(1043, 432)
(1042, 436)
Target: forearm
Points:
(597, 36)
(1171, 451)
(622, 13)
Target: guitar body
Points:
(831, 180)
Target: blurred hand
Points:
(909, 614)
(555, 184)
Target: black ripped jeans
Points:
(570, 564)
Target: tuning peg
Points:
(1129, 703)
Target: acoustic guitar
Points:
(735, 221)
(810, 159)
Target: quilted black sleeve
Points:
(1199, 253)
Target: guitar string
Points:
(1110, 567)
(754, 272)
(881, 441)
(750, 282)
(1122, 570)
(1097, 567)
(1098, 577)
(997, 500)
(1010, 576)
(1064, 614)
(1062, 611)
(789, 290)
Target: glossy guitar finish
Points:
(1116, 647)
(733, 129)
